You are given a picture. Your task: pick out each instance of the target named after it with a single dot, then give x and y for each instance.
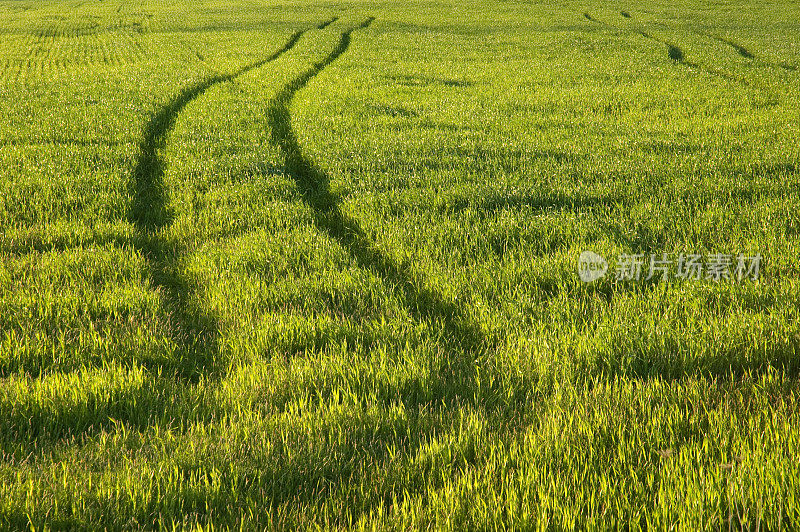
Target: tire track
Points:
(747, 54)
(455, 378)
(148, 211)
(676, 54)
(673, 51)
(461, 337)
(741, 50)
(193, 332)
(327, 23)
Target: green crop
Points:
(315, 265)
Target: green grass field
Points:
(301, 264)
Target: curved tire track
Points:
(149, 209)
(461, 337)
(455, 379)
(192, 331)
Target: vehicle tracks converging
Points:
(193, 332)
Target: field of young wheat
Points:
(302, 264)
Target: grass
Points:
(304, 265)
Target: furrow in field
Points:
(39, 43)
(462, 337)
(5, 67)
(15, 76)
(24, 76)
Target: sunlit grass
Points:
(283, 265)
